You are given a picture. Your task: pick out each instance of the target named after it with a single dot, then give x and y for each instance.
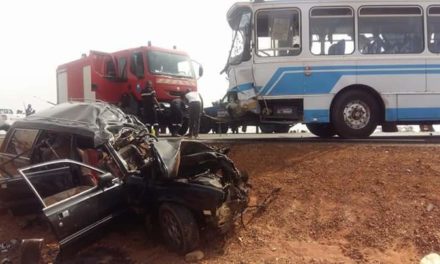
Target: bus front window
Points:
(170, 64)
(240, 50)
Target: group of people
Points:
(189, 101)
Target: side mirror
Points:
(105, 181)
(196, 65)
(200, 71)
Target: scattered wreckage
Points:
(83, 164)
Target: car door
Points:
(16, 153)
(78, 208)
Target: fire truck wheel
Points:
(184, 129)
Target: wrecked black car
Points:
(83, 164)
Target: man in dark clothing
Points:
(29, 110)
(149, 104)
(195, 109)
(177, 109)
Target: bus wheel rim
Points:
(357, 114)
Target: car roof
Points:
(78, 118)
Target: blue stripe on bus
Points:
(413, 114)
(243, 87)
(292, 83)
(317, 116)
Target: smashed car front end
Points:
(208, 183)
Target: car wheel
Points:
(267, 128)
(221, 128)
(355, 114)
(178, 227)
(205, 126)
(281, 128)
(322, 130)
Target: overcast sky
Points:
(39, 35)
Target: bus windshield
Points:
(170, 64)
(240, 50)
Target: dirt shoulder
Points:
(337, 203)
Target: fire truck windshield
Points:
(170, 64)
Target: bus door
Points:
(277, 69)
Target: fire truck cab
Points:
(110, 77)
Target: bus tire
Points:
(355, 114)
(322, 130)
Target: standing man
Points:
(177, 109)
(29, 110)
(195, 108)
(149, 104)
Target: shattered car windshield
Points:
(170, 64)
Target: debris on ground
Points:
(432, 258)
(194, 256)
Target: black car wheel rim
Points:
(172, 229)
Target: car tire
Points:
(267, 129)
(205, 125)
(179, 228)
(281, 128)
(322, 130)
(355, 114)
(220, 128)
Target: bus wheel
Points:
(322, 130)
(355, 114)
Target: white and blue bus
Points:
(340, 67)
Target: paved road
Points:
(399, 137)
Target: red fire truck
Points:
(112, 76)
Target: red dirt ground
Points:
(338, 203)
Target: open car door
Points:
(85, 199)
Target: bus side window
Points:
(278, 33)
(331, 30)
(434, 29)
(391, 30)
